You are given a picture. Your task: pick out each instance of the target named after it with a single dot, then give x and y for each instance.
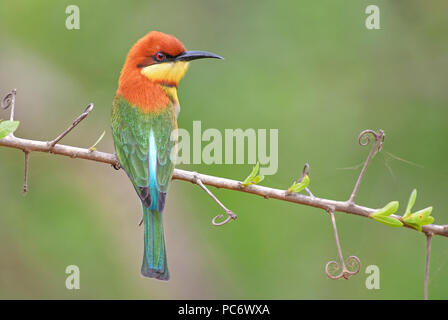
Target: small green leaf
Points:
(387, 210)
(421, 218)
(253, 178)
(427, 220)
(92, 148)
(297, 187)
(424, 212)
(382, 215)
(389, 221)
(257, 179)
(411, 202)
(253, 173)
(8, 127)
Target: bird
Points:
(143, 120)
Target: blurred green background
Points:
(309, 68)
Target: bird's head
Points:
(162, 58)
(153, 69)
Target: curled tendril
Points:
(353, 263)
(364, 138)
(229, 213)
(230, 216)
(8, 99)
(331, 273)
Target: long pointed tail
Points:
(154, 258)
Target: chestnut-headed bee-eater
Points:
(144, 114)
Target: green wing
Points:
(143, 145)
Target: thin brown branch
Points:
(218, 182)
(81, 117)
(330, 206)
(428, 256)
(230, 214)
(377, 145)
(27, 165)
(354, 261)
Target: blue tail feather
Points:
(154, 259)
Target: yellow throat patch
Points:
(169, 72)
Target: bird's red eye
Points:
(160, 56)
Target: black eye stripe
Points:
(154, 60)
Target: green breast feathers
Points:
(143, 146)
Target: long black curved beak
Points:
(193, 55)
